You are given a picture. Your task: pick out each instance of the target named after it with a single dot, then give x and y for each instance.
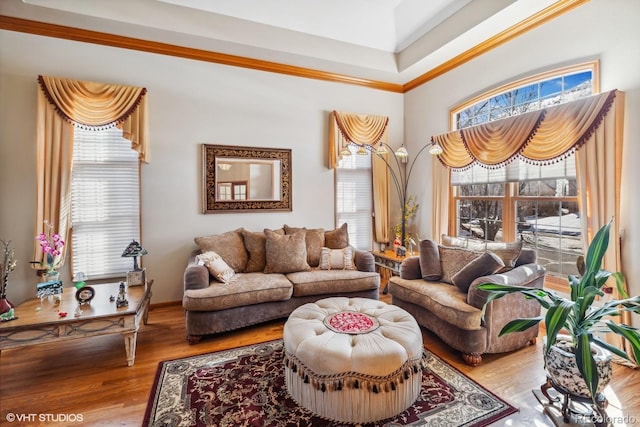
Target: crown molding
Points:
(87, 36)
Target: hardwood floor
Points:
(88, 380)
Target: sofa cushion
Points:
(314, 239)
(285, 253)
(487, 263)
(453, 260)
(430, 260)
(255, 243)
(219, 269)
(441, 299)
(508, 252)
(461, 242)
(229, 245)
(337, 259)
(246, 289)
(338, 238)
(322, 282)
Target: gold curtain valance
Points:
(536, 137)
(348, 128)
(100, 104)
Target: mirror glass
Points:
(246, 178)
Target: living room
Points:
(194, 102)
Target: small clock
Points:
(85, 294)
(136, 278)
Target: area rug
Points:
(245, 387)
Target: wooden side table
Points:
(39, 322)
(388, 264)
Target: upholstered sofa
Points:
(439, 288)
(240, 278)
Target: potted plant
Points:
(578, 316)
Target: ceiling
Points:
(386, 40)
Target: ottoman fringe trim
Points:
(355, 380)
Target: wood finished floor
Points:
(90, 378)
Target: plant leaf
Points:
(630, 333)
(555, 320)
(586, 364)
(519, 325)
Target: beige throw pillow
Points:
(285, 254)
(337, 259)
(255, 242)
(229, 245)
(338, 238)
(453, 260)
(216, 266)
(314, 239)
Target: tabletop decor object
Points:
(7, 265)
(51, 245)
(137, 276)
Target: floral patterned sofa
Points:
(240, 278)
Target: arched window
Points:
(535, 203)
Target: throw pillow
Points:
(229, 245)
(255, 242)
(338, 238)
(336, 259)
(453, 260)
(459, 242)
(216, 266)
(430, 260)
(487, 263)
(285, 253)
(508, 252)
(314, 240)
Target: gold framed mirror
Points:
(245, 179)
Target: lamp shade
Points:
(134, 250)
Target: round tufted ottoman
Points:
(353, 360)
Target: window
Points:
(354, 203)
(105, 202)
(535, 204)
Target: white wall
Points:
(601, 29)
(190, 103)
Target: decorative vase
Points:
(5, 305)
(562, 367)
(51, 275)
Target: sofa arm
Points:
(531, 275)
(195, 276)
(364, 260)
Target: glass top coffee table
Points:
(40, 322)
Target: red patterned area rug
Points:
(245, 387)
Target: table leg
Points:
(130, 339)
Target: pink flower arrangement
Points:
(51, 245)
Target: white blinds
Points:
(354, 199)
(105, 211)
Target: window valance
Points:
(348, 128)
(538, 137)
(99, 105)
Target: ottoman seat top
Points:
(381, 343)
